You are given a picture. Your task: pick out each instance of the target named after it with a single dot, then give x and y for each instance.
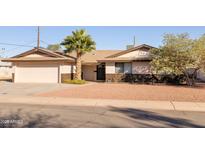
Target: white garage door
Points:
(36, 74)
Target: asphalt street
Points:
(59, 116)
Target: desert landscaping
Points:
(127, 91)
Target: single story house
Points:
(41, 65)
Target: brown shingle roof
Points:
(94, 56)
(27, 59)
(90, 57)
(148, 47)
(48, 56)
(41, 50)
(125, 59)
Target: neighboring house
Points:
(5, 70)
(45, 66)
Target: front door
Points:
(101, 71)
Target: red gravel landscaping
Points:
(133, 92)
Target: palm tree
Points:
(81, 43)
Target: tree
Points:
(54, 47)
(175, 57)
(81, 43)
(199, 52)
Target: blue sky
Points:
(105, 37)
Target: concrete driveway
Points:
(29, 89)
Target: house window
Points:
(125, 68)
(119, 67)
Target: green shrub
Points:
(74, 81)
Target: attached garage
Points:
(40, 65)
(37, 73)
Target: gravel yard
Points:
(133, 92)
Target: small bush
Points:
(75, 81)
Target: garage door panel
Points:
(36, 74)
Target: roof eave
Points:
(45, 51)
(130, 50)
(35, 60)
(124, 60)
(107, 60)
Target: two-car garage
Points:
(41, 65)
(37, 73)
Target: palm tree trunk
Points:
(78, 67)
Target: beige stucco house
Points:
(40, 65)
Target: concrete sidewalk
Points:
(159, 105)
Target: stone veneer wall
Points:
(145, 78)
(141, 78)
(114, 77)
(66, 76)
